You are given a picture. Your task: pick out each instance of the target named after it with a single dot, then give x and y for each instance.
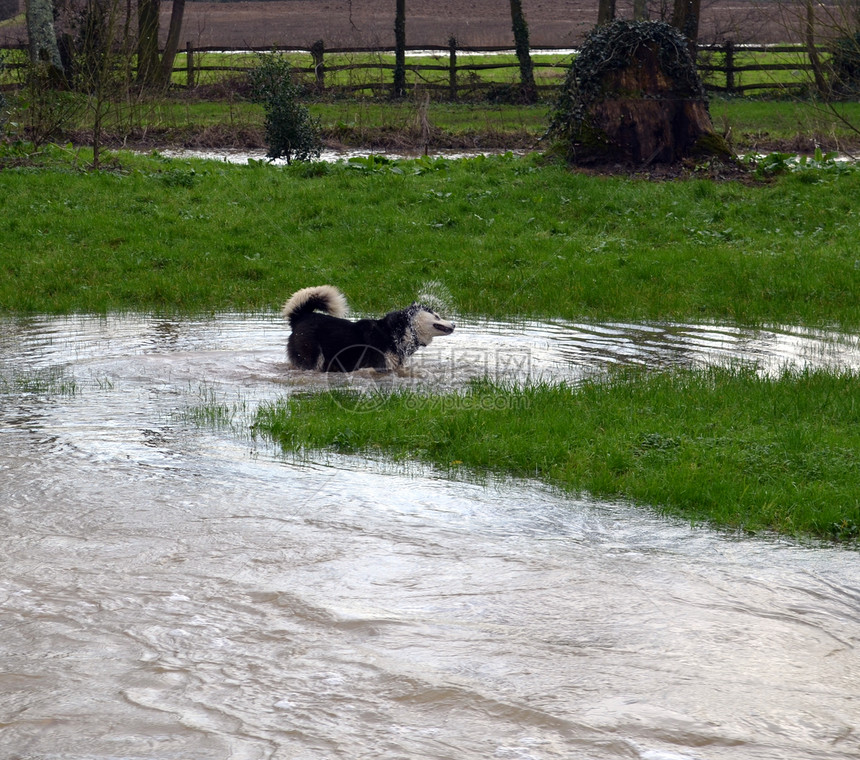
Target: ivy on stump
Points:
(633, 95)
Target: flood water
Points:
(176, 590)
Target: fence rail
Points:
(722, 67)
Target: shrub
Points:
(290, 131)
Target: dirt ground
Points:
(474, 23)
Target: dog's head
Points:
(428, 324)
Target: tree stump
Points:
(633, 96)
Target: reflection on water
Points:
(172, 591)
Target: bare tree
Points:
(154, 71)
(836, 27)
(606, 11)
(106, 77)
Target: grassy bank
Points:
(505, 236)
(724, 446)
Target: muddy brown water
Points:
(177, 590)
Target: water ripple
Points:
(175, 590)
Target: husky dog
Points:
(328, 342)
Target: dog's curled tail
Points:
(325, 298)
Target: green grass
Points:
(752, 124)
(755, 122)
(750, 121)
(449, 117)
(506, 236)
(213, 411)
(723, 446)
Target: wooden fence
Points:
(452, 75)
(717, 64)
(733, 72)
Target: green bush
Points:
(290, 131)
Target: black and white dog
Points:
(328, 342)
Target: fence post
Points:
(189, 65)
(730, 67)
(452, 67)
(318, 53)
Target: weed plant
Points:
(725, 446)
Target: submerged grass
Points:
(723, 445)
(504, 235)
(50, 382)
(210, 409)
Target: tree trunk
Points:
(43, 39)
(685, 18)
(605, 12)
(521, 42)
(659, 127)
(172, 44)
(640, 10)
(148, 65)
(400, 49)
(812, 51)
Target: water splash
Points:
(437, 296)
